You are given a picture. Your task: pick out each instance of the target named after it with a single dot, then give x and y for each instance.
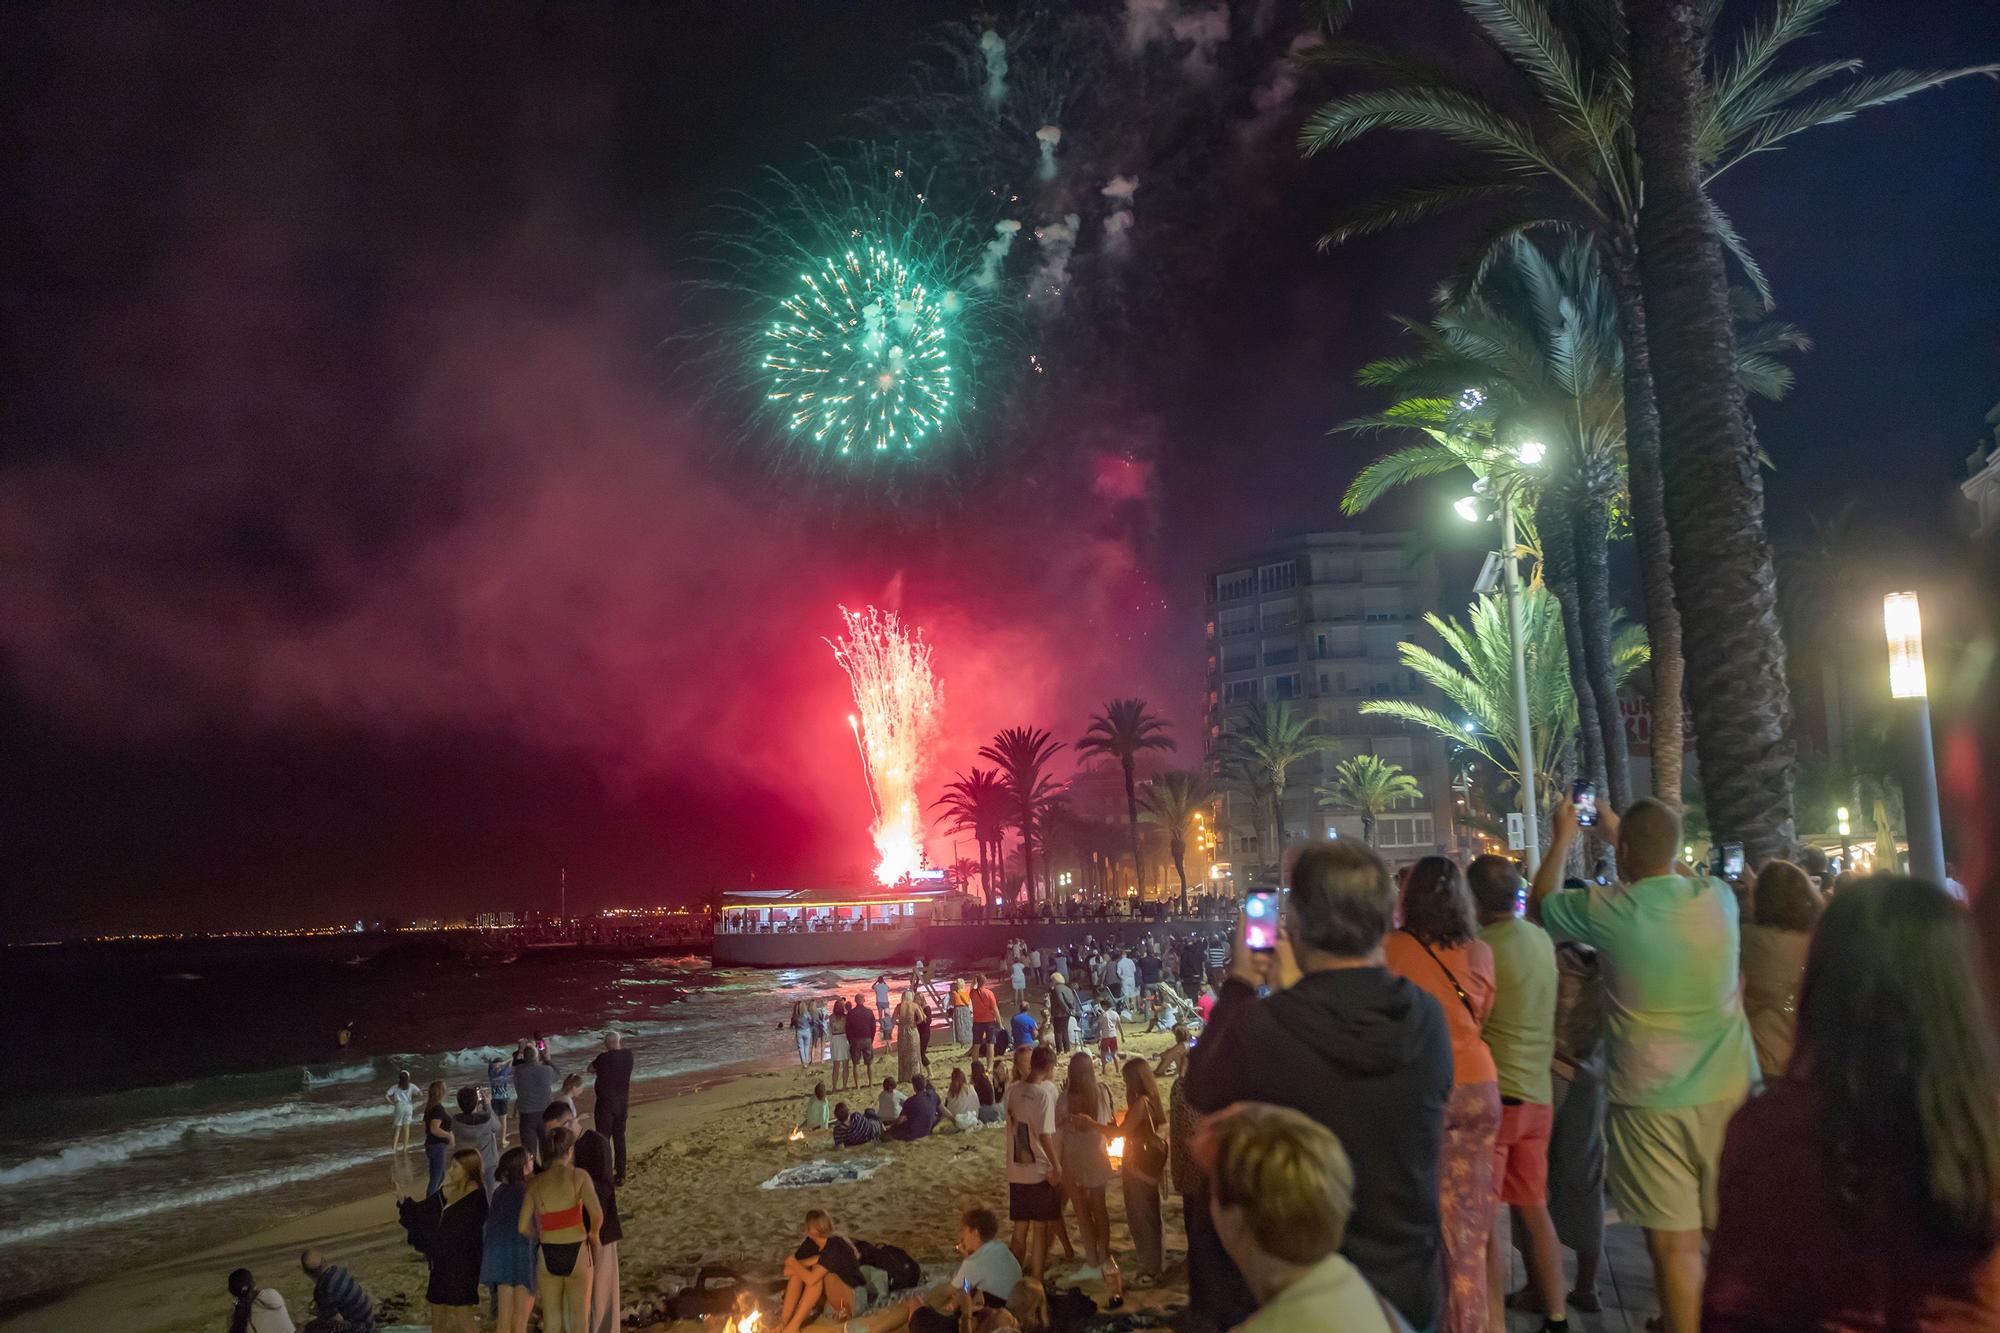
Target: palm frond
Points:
(1732, 241)
(1526, 31)
(1406, 465)
(1759, 47)
(1417, 203)
(1765, 134)
(1458, 116)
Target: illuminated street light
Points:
(1840, 817)
(1903, 624)
(1467, 508)
(1533, 452)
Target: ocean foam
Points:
(110, 1148)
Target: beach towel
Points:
(823, 1172)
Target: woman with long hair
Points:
(1438, 947)
(402, 1097)
(457, 1246)
(437, 1136)
(988, 1095)
(1082, 1132)
(257, 1310)
(1144, 1125)
(836, 1025)
(909, 1051)
(961, 1013)
(1862, 1189)
(802, 1032)
(561, 1210)
(1784, 908)
(961, 1103)
(593, 1158)
(507, 1264)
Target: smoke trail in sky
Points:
(1057, 240)
(996, 252)
(1118, 221)
(994, 48)
(1046, 138)
(897, 700)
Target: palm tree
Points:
(1125, 727)
(1569, 160)
(1532, 354)
(982, 806)
(1269, 741)
(1022, 753)
(1479, 684)
(1370, 784)
(1172, 800)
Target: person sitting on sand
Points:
(988, 1092)
(824, 1270)
(1174, 1060)
(853, 1130)
(818, 1115)
(890, 1104)
(258, 1310)
(985, 1281)
(920, 1114)
(1024, 1029)
(961, 1103)
(337, 1298)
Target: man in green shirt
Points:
(1521, 1032)
(1679, 1050)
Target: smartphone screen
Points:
(1260, 921)
(1732, 861)
(1584, 796)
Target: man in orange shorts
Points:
(1520, 1031)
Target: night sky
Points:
(365, 553)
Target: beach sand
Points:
(691, 1197)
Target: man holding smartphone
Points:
(1680, 1058)
(1360, 1050)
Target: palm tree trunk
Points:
(1367, 828)
(1724, 581)
(1132, 818)
(1554, 522)
(1649, 526)
(1177, 848)
(1278, 824)
(1028, 852)
(1591, 526)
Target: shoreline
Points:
(698, 1151)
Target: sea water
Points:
(154, 1111)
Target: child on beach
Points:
(890, 1104)
(818, 1114)
(1107, 1034)
(824, 1270)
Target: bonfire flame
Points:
(1116, 1150)
(896, 705)
(747, 1324)
(795, 1135)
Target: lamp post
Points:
(1846, 828)
(1902, 623)
(1531, 452)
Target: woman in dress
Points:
(1082, 1133)
(1862, 1189)
(593, 1158)
(961, 1013)
(402, 1100)
(837, 1034)
(909, 1051)
(507, 1264)
(1784, 909)
(457, 1245)
(561, 1210)
(1144, 1126)
(437, 1136)
(1439, 949)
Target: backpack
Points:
(902, 1270)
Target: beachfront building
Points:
(1316, 621)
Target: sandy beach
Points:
(692, 1197)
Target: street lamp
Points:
(1903, 624)
(1845, 829)
(1531, 452)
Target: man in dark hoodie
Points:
(1358, 1049)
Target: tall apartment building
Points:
(1316, 620)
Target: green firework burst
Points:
(860, 354)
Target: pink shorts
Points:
(1521, 1154)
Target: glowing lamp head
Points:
(1904, 625)
(1533, 452)
(1467, 508)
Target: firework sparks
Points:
(897, 700)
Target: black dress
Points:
(455, 1253)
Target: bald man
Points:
(613, 1067)
(1679, 1055)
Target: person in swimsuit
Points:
(562, 1212)
(403, 1116)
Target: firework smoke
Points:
(1057, 240)
(897, 701)
(1118, 221)
(1273, 97)
(1204, 30)
(1046, 139)
(1146, 22)
(996, 252)
(994, 48)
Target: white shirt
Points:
(991, 1268)
(1031, 1114)
(1128, 976)
(1331, 1294)
(1034, 960)
(889, 1105)
(1020, 977)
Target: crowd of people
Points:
(1787, 1083)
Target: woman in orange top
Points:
(1438, 947)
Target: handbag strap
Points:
(1463, 998)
